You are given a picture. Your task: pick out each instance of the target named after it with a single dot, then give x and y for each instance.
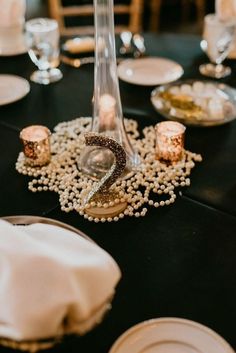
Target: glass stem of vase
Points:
(107, 109)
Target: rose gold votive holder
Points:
(169, 141)
(36, 145)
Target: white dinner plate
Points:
(149, 71)
(170, 335)
(12, 88)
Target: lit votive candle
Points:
(107, 111)
(170, 140)
(36, 145)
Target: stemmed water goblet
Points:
(217, 40)
(42, 37)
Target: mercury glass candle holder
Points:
(107, 111)
(170, 141)
(36, 145)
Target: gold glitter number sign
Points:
(93, 139)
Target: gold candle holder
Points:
(170, 140)
(36, 145)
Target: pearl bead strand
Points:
(153, 184)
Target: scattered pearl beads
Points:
(153, 184)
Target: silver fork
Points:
(138, 41)
(126, 38)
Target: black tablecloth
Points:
(178, 261)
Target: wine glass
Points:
(42, 37)
(217, 40)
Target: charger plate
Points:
(170, 335)
(27, 220)
(169, 111)
(34, 346)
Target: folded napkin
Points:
(52, 282)
(80, 45)
(225, 9)
(12, 12)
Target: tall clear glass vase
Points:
(107, 110)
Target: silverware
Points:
(126, 38)
(138, 41)
(77, 62)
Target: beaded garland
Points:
(153, 184)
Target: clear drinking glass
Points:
(217, 40)
(42, 36)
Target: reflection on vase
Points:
(107, 110)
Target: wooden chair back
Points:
(155, 9)
(133, 10)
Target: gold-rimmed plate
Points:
(196, 102)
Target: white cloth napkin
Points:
(225, 9)
(12, 12)
(52, 282)
(80, 45)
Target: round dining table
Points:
(178, 260)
